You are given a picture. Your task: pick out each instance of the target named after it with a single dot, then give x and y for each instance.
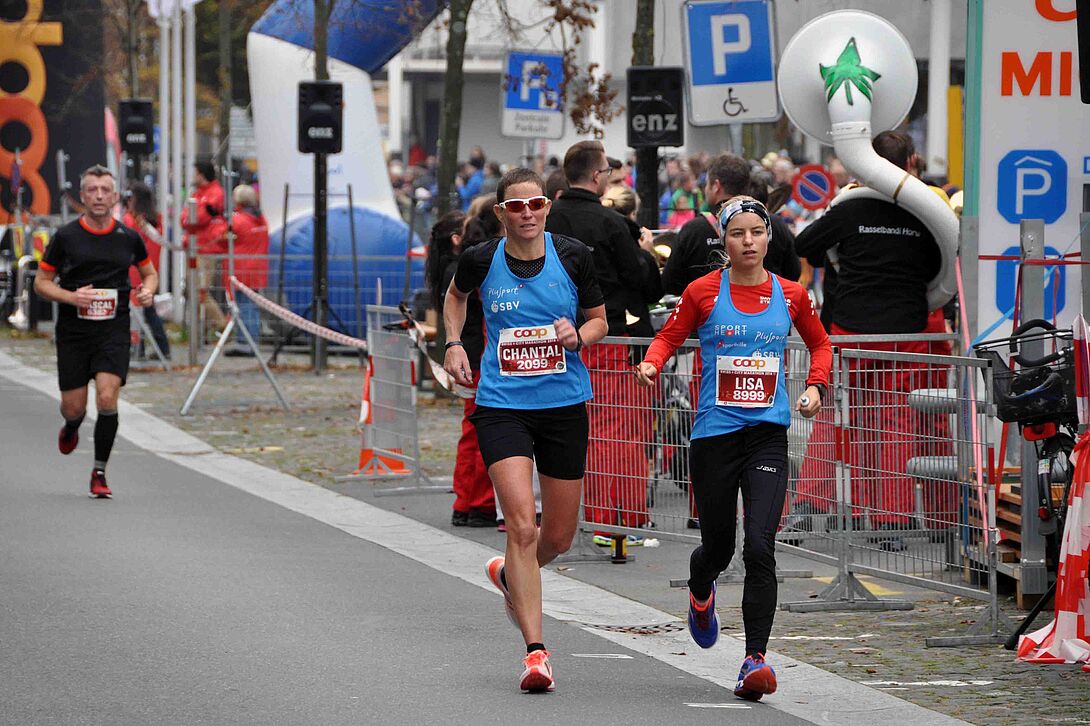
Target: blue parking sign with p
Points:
(1032, 184)
(730, 42)
(533, 82)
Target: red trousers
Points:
(618, 464)
(883, 433)
(472, 486)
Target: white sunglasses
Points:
(536, 204)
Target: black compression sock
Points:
(73, 424)
(503, 576)
(534, 646)
(105, 432)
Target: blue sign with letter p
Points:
(730, 42)
(1032, 185)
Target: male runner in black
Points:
(92, 256)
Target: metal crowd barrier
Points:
(390, 442)
(883, 482)
(294, 289)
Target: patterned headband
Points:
(733, 209)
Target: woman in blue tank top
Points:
(742, 315)
(531, 400)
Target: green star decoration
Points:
(848, 72)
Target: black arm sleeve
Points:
(814, 241)
(473, 266)
(54, 253)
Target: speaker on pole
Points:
(136, 123)
(321, 111)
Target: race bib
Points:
(533, 351)
(103, 307)
(746, 382)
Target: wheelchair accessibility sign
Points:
(730, 59)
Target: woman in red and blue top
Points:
(742, 315)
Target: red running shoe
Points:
(67, 442)
(99, 488)
(538, 676)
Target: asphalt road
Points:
(187, 601)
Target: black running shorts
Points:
(556, 438)
(84, 351)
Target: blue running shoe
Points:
(703, 621)
(755, 679)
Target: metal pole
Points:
(192, 292)
(1034, 577)
(190, 79)
(1084, 246)
(177, 193)
(409, 248)
(938, 80)
(63, 185)
(283, 247)
(173, 283)
(320, 282)
(355, 265)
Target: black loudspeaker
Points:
(321, 112)
(136, 126)
(1082, 7)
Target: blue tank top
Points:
(742, 381)
(524, 366)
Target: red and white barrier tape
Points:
(298, 321)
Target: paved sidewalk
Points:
(883, 650)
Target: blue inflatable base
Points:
(381, 246)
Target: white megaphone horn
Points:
(844, 77)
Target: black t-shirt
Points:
(694, 254)
(886, 258)
(81, 256)
(618, 267)
(474, 263)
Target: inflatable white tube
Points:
(877, 82)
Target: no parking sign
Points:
(813, 187)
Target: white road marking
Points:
(718, 705)
(948, 684)
(613, 656)
(809, 693)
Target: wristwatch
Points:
(451, 343)
(578, 342)
(822, 390)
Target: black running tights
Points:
(755, 460)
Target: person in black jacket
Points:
(695, 252)
(616, 477)
(886, 258)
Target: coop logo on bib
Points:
(530, 351)
(102, 307)
(746, 381)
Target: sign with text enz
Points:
(730, 56)
(656, 106)
(532, 106)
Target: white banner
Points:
(1034, 151)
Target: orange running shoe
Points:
(493, 568)
(538, 676)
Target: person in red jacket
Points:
(140, 215)
(209, 226)
(251, 262)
